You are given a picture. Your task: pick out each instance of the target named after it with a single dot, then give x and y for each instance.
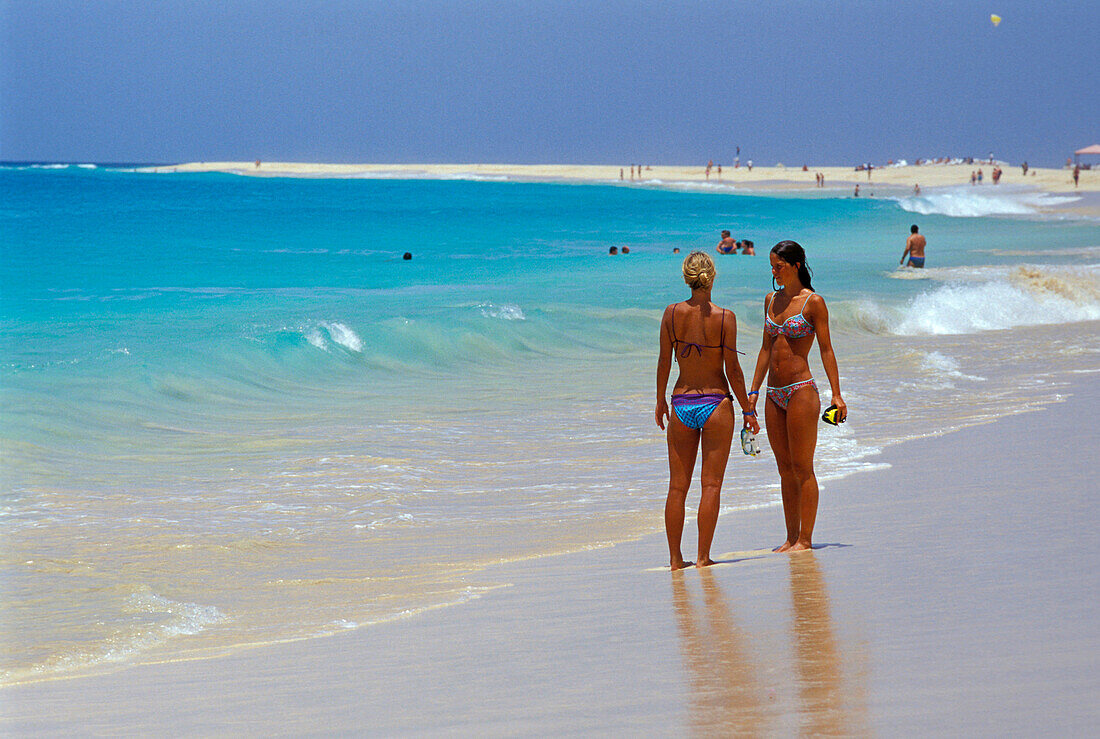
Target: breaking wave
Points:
(968, 300)
(975, 202)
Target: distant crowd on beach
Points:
(633, 167)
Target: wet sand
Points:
(953, 593)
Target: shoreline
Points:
(890, 181)
(777, 177)
(836, 641)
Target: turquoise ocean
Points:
(232, 415)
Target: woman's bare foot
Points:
(800, 546)
(679, 564)
(704, 562)
(783, 547)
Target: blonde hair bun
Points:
(699, 270)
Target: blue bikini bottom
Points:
(694, 410)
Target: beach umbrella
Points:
(1094, 149)
(996, 20)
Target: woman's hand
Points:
(751, 422)
(841, 408)
(755, 426)
(660, 414)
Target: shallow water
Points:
(231, 414)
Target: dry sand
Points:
(777, 177)
(954, 593)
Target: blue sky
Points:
(529, 81)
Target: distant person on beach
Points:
(749, 165)
(973, 177)
(914, 248)
(856, 193)
(916, 189)
(793, 315)
(703, 338)
(1024, 167)
(979, 175)
(727, 245)
(1076, 174)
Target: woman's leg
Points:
(802, 414)
(717, 439)
(683, 445)
(775, 420)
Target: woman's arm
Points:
(734, 374)
(763, 359)
(819, 314)
(664, 366)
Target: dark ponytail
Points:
(792, 252)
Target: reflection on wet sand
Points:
(825, 702)
(726, 697)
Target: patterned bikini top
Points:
(795, 327)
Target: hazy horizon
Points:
(615, 82)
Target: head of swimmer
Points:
(699, 270)
(788, 260)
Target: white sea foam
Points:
(942, 366)
(506, 312)
(86, 166)
(967, 201)
(1025, 296)
(344, 336)
(333, 332)
(159, 619)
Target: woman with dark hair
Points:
(793, 315)
(703, 339)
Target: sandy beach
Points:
(321, 414)
(950, 594)
(778, 177)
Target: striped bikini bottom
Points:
(781, 396)
(694, 410)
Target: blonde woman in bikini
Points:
(703, 339)
(793, 315)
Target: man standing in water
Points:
(914, 247)
(727, 245)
